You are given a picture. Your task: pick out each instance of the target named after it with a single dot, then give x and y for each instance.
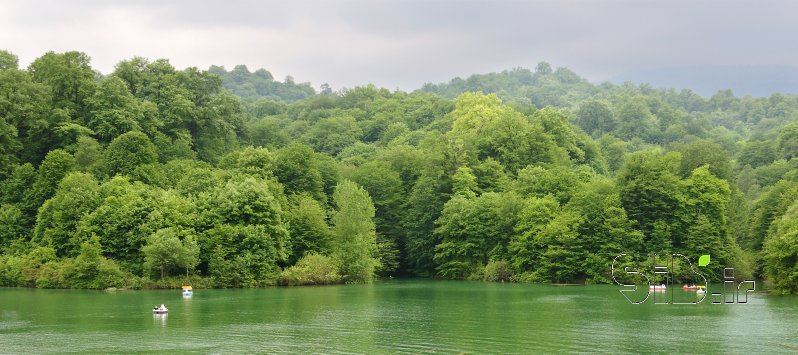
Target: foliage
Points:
(311, 269)
(170, 249)
(781, 252)
(129, 151)
(355, 237)
(244, 181)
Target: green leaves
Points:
(355, 236)
(171, 250)
(128, 151)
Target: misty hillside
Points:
(706, 80)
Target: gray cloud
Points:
(402, 44)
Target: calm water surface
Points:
(389, 317)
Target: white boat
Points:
(160, 310)
(188, 291)
(658, 287)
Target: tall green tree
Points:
(114, 110)
(422, 208)
(55, 166)
(308, 228)
(246, 237)
(354, 230)
(781, 252)
(70, 78)
(171, 249)
(295, 167)
(651, 194)
(26, 117)
(474, 231)
(78, 194)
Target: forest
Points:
(151, 176)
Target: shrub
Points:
(497, 271)
(312, 269)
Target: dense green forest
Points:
(139, 177)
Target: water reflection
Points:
(160, 319)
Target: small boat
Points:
(700, 291)
(692, 287)
(160, 310)
(657, 287)
(188, 291)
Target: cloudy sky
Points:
(402, 44)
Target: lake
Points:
(408, 316)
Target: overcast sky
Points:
(402, 44)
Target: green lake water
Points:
(414, 316)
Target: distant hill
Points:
(254, 85)
(706, 80)
(544, 86)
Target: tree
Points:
(474, 231)
(128, 151)
(219, 127)
(634, 119)
(257, 162)
(170, 249)
(788, 141)
(781, 252)
(422, 208)
(266, 132)
(651, 194)
(757, 153)
(307, 227)
(55, 166)
(482, 127)
(560, 182)
(57, 220)
(8, 60)
(385, 185)
(331, 135)
(543, 68)
(91, 270)
(604, 232)
(26, 118)
(312, 269)
(12, 225)
(464, 183)
(700, 153)
(70, 78)
(89, 155)
(354, 230)
(245, 232)
(19, 184)
(114, 110)
(557, 126)
(595, 118)
(773, 203)
(295, 167)
(128, 214)
(525, 246)
(9, 145)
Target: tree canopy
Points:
(140, 176)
